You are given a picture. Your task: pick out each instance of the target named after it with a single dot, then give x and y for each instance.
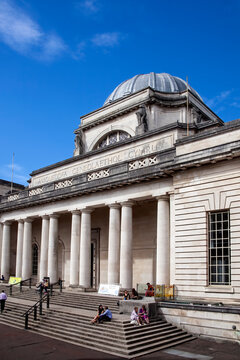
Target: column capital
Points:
(128, 203)
(20, 221)
(114, 206)
(54, 216)
(86, 211)
(163, 197)
(28, 220)
(45, 217)
(75, 212)
(7, 222)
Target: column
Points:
(114, 244)
(126, 246)
(53, 249)
(1, 234)
(27, 249)
(6, 246)
(85, 249)
(163, 248)
(75, 244)
(19, 249)
(44, 247)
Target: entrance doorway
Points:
(95, 263)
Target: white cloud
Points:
(24, 35)
(216, 100)
(106, 39)
(89, 6)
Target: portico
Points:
(120, 242)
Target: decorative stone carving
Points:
(63, 184)
(98, 174)
(13, 197)
(35, 191)
(138, 164)
(79, 144)
(142, 120)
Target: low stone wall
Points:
(127, 306)
(220, 324)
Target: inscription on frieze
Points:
(101, 161)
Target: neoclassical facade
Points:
(151, 194)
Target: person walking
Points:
(3, 298)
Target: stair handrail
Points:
(60, 283)
(34, 308)
(21, 283)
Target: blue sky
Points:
(61, 59)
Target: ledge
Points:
(219, 289)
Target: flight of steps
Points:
(71, 299)
(118, 337)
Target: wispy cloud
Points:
(235, 104)
(106, 40)
(22, 34)
(218, 99)
(88, 6)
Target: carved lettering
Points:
(107, 160)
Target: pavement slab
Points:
(17, 344)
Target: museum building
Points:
(151, 194)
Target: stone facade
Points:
(133, 207)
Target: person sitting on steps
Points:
(99, 312)
(150, 290)
(126, 295)
(134, 294)
(143, 315)
(105, 316)
(135, 320)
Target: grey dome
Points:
(161, 82)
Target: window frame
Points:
(213, 226)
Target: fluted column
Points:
(19, 249)
(85, 249)
(6, 246)
(27, 249)
(126, 270)
(163, 242)
(75, 244)
(53, 249)
(1, 235)
(114, 244)
(44, 247)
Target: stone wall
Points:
(209, 188)
(216, 325)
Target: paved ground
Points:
(18, 344)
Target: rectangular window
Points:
(219, 253)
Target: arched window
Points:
(34, 259)
(112, 138)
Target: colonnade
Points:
(120, 240)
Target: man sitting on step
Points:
(105, 316)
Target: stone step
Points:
(160, 346)
(118, 337)
(86, 342)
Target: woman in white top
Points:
(134, 317)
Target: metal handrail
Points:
(21, 283)
(59, 282)
(33, 308)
